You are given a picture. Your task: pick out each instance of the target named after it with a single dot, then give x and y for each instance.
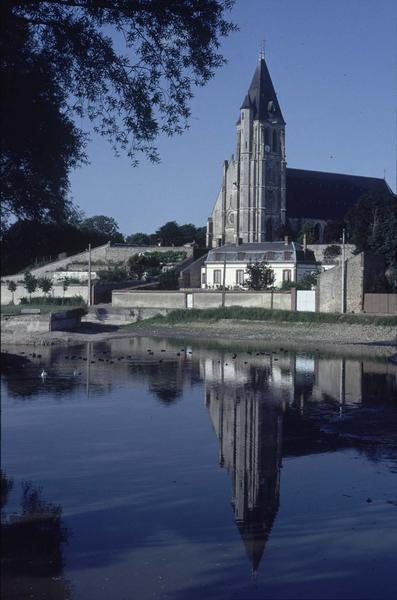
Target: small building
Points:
(288, 260)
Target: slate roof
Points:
(257, 251)
(327, 196)
(261, 96)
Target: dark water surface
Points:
(157, 470)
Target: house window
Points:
(240, 276)
(287, 275)
(217, 276)
(204, 278)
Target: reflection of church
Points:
(249, 429)
(256, 403)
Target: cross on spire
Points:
(262, 49)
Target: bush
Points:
(55, 300)
(113, 274)
(331, 252)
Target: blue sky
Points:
(334, 68)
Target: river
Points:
(148, 468)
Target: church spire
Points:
(261, 97)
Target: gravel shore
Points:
(338, 338)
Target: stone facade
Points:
(364, 273)
(251, 203)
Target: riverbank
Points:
(338, 338)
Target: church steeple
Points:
(250, 207)
(261, 97)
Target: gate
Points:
(306, 300)
(189, 300)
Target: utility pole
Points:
(343, 275)
(89, 275)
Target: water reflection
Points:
(127, 412)
(32, 539)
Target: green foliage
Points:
(312, 233)
(44, 284)
(103, 226)
(129, 66)
(308, 281)
(139, 239)
(138, 264)
(263, 314)
(12, 286)
(331, 252)
(260, 276)
(172, 234)
(152, 262)
(391, 276)
(55, 301)
(26, 243)
(372, 225)
(117, 273)
(30, 283)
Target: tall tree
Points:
(104, 226)
(129, 66)
(372, 225)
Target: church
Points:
(260, 198)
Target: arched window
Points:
(275, 141)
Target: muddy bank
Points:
(339, 338)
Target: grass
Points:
(10, 309)
(240, 313)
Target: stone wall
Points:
(201, 299)
(318, 250)
(364, 272)
(74, 289)
(103, 255)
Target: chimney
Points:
(304, 243)
(286, 240)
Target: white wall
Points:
(57, 290)
(230, 280)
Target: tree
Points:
(331, 252)
(65, 59)
(311, 231)
(170, 234)
(138, 264)
(138, 239)
(12, 287)
(65, 286)
(39, 142)
(103, 226)
(260, 276)
(372, 225)
(23, 244)
(44, 284)
(30, 284)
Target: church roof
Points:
(261, 97)
(327, 196)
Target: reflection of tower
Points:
(249, 430)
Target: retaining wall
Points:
(200, 299)
(74, 289)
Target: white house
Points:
(288, 261)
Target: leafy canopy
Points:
(372, 225)
(127, 66)
(260, 276)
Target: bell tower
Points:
(251, 206)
